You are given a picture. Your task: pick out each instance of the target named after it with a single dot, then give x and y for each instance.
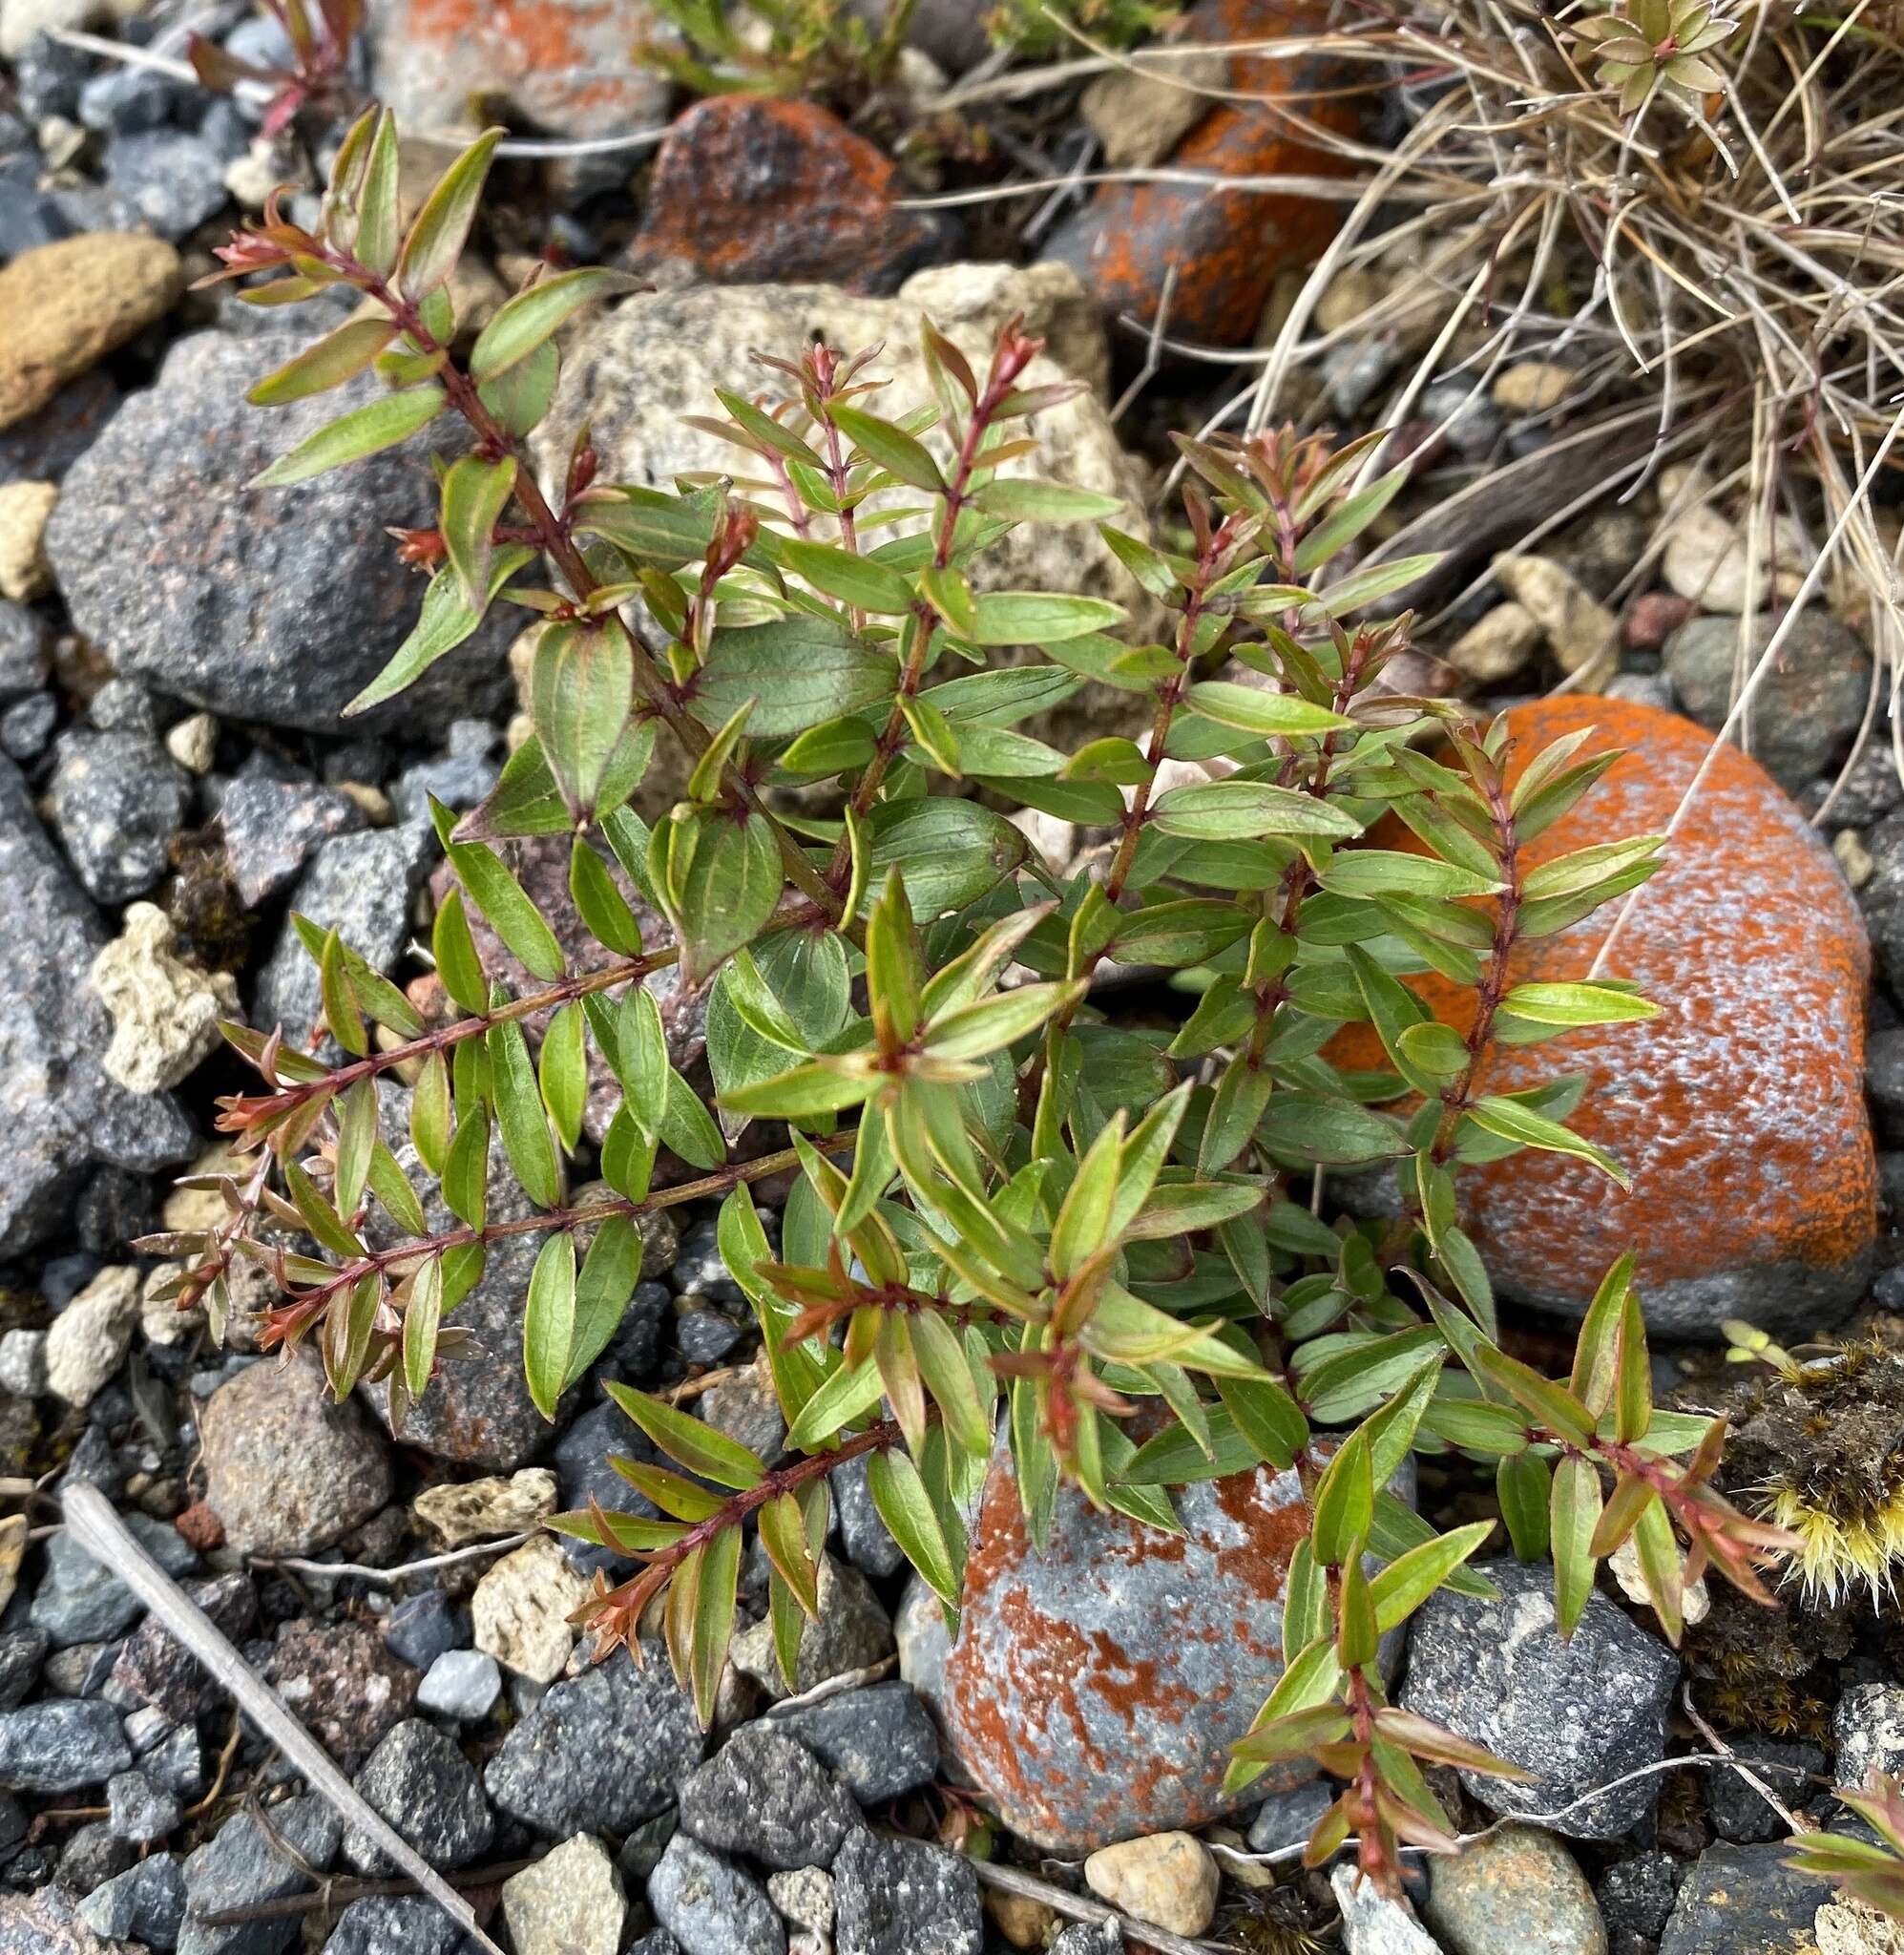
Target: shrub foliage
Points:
(1012, 1214)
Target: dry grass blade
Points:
(92, 1524)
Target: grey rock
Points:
(1882, 898)
(122, 706)
(600, 1753)
(711, 1907)
(28, 217)
(241, 1865)
(362, 886)
(1807, 706)
(461, 1684)
(869, 1542)
(44, 446)
(879, 1742)
(59, 1113)
(1794, 1771)
(459, 781)
(61, 1746)
(1082, 1940)
(81, 1601)
(272, 605)
(659, 1943)
(25, 728)
(139, 1810)
(699, 1269)
(45, 1922)
(122, 101)
(1868, 1726)
(145, 1903)
(853, 1631)
(1287, 1818)
(429, 1791)
(1517, 1892)
(1575, 1713)
(393, 1924)
(93, 1855)
(765, 1795)
(1474, 427)
(174, 180)
(632, 1353)
(271, 828)
(583, 1473)
(344, 1684)
(23, 1363)
(1740, 1898)
(1871, 790)
(286, 1470)
(1373, 1924)
(26, 651)
(117, 799)
(155, 1672)
(22, 1652)
(642, 1850)
(82, 1670)
(903, 1897)
(1636, 1895)
(705, 1336)
(422, 1627)
(178, 1763)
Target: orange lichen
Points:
(1739, 1111)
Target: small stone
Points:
(570, 1903)
(760, 189)
(1024, 1923)
(67, 304)
(23, 1364)
(458, 1512)
(1140, 117)
(1852, 857)
(61, 1746)
(1636, 1896)
(1806, 708)
(145, 1903)
(1287, 1818)
(1706, 560)
(1168, 1878)
(156, 1672)
(765, 1795)
(88, 1337)
(1868, 1728)
(521, 1609)
(868, 1541)
(1373, 1924)
(1740, 1898)
(853, 1631)
(601, 1751)
(24, 652)
(463, 1684)
(286, 1470)
(1533, 387)
(805, 1898)
(242, 1865)
(1652, 617)
(271, 827)
(341, 1684)
(879, 1742)
(24, 509)
(116, 801)
(1497, 645)
(26, 729)
(139, 1811)
(395, 1925)
(194, 743)
(1793, 1772)
(1853, 1927)
(93, 1855)
(429, 1791)
(1582, 631)
(22, 1652)
(903, 1897)
(1575, 1714)
(1695, 1597)
(166, 1011)
(1515, 1892)
(711, 1907)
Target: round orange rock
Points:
(1739, 1112)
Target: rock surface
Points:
(276, 604)
(1737, 1897)
(903, 1897)
(60, 1111)
(429, 1791)
(1373, 1924)
(521, 1610)
(1574, 1714)
(1743, 1100)
(765, 1795)
(1226, 247)
(166, 1011)
(1517, 1892)
(762, 190)
(286, 1470)
(878, 1742)
(1095, 1691)
(570, 1903)
(67, 304)
(117, 799)
(1166, 1878)
(710, 1905)
(90, 1335)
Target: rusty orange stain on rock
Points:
(1226, 246)
(1739, 1112)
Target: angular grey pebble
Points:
(711, 1907)
(879, 1741)
(26, 726)
(240, 1864)
(61, 1746)
(1794, 1772)
(1636, 1896)
(463, 1684)
(81, 1601)
(903, 1897)
(173, 179)
(22, 1652)
(145, 1903)
(117, 799)
(271, 828)
(1083, 1940)
(868, 1541)
(601, 1751)
(1575, 1714)
(393, 1924)
(429, 1791)
(93, 1855)
(422, 1627)
(765, 1795)
(138, 1810)
(1740, 1899)
(1287, 1818)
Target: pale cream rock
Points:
(166, 1011)
(1583, 633)
(24, 509)
(88, 1337)
(521, 1610)
(1169, 1879)
(458, 1513)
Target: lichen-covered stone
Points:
(1095, 1691)
(1225, 246)
(166, 1011)
(760, 190)
(1739, 1112)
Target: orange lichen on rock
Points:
(1225, 246)
(1739, 1112)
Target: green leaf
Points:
(1578, 1004)
(799, 672)
(465, 1178)
(356, 1137)
(1523, 1486)
(562, 1073)
(901, 1501)
(1267, 1417)
(581, 683)
(523, 323)
(442, 226)
(608, 1274)
(1265, 714)
(524, 1126)
(1573, 1517)
(950, 852)
(1344, 1503)
(1019, 498)
(1389, 872)
(727, 878)
(1512, 1120)
(446, 619)
(856, 580)
(1038, 617)
(714, 1618)
(476, 493)
(901, 455)
(336, 358)
(499, 896)
(421, 1318)
(549, 1323)
(1401, 1589)
(364, 430)
(1226, 811)
(702, 1449)
(599, 902)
